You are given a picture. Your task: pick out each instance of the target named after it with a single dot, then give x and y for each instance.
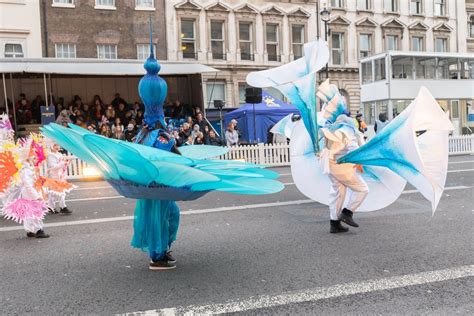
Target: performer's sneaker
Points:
(30, 235)
(162, 265)
(169, 257)
(65, 210)
(346, 217)
(336, 227)
(51, 210)
(41, 234)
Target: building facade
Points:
(20, 31)
(105, 29)
(470, 25)
(237, 36)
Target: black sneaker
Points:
(51, 210)
(346, 217)
(41, 234)
(65, 210)
(30, 235)
(336, 227)
(169, 257)
(162, 265)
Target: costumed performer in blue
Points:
(155, 173)
(329, 161)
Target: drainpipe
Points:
(45, 29)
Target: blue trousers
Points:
(155, 226)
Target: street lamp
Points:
(325, 15)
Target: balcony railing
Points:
(247, 56)
(274, 57)
(219, 56)
(190, 55)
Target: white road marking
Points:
(460, 170)
(465, 161)
(320, 293)
(190, 211)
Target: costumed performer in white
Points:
(33, 226)
(57, 164)
(341, 137)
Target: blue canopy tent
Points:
(255, 120)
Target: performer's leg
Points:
(34, 228)
(52, 202)
(359, 191)
(62, 204)
(173, 221)
(336, 200)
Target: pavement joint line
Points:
(193, 212)
(458, 162)
(461, 187)
(254, 303)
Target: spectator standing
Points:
(120, 111)
(201, 122)
(231, 135)
(139, 118)
(130, 133)
(105, 130)
(117, 100)
(36, 109)
(117, 126)
(381, 123)
(360, 124)
(63, 117)
(199, 140)
(177, 138)
(185, 131)
(23, 109)
(213, 140)
(195, 131)
(234, 122)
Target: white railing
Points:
(274, 155)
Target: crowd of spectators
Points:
(122, 120)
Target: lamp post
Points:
(325, 14)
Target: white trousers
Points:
(343, 177)
(60, 200)
(33, 225)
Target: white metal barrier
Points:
(273, 155)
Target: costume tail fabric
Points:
(414, 145)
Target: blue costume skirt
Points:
(155, 226)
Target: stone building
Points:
(470, 25)
(106, 29)
(237, 37)
(19, 36)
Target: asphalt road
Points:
(249, 254)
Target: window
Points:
(440, 7)
(143, 51)
(215, 91)
(416, 7)
(13, 51)
(365, 45)
(63, 1)
(337, 49)
(364, 5)
(65, 50)
(470, 24)
(402, 68)
(390, 5)
(217, 40)
(467, 69)
(242, 87)
(417, 44)
(379, 69)
(188, 39)
(105, 3)
(447, 68)
(425, 68)
(441, 45)
(272, 42)
(337, 3)
(144, 3)
(391, 42)
(245, 41)
(297, 35)
(366, 72)
(107, 51)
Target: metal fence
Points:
(272, 155)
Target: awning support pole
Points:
(5, 92)
(13, 100)
(45, 89)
